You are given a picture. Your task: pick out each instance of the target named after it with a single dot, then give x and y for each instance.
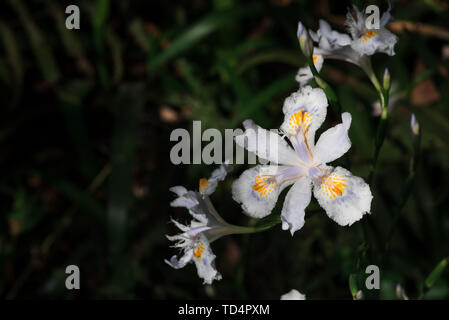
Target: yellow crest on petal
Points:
(368, 35)
(299, 119)
(198, 251)
(264, 185)
(333, 185)
(203, 185)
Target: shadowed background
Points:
(85, 121)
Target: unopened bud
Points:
(414, 125)
(305, 42)
(359, 295)
(400, 292)
(415, 132)
(386, 80)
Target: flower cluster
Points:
(356, 48)
(294, 157)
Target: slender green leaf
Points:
(254, 105)
(199, 31)
(129, 104)
(41, 49)
(436, 273)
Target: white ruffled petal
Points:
(356, 24)
(373, 41)
(293, 295)
(194, 202)
(386, 17)
(198, 250)
(344, 197)
(331, 39)
(196, 229)
(176, 263)
(387, 41)
(208, 186)
(180, 226)
(266, 144)
(334, 142)
(187, 200)
(296, 201)
(179, 190)
(257, 190)
(204, 261)
(304, 109)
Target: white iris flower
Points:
(344, 197)
(355, 48)
(369, 41)
(206, 227)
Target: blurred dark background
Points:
(85, 121)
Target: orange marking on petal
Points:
(203, 184)
(315, 57)
(368, 35)
(333, 185)
(198, 251)
(300, 119)
(264, 185)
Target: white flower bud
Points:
(305, 42)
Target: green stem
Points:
(381, 128)
(367, 67)
(266, 224)
(405, 195)
(405, 192)
(380, 132)
(330, 93)
(272, 221)
(433, 277)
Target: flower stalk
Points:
(433, 277)
(415, 132)
(384, 94)
(264, 225)
(330, 93)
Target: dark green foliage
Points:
(85, 123)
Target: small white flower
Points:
(359, 46)
(304, 74)
(206, 226)
(208, 186)
(344, 197)
(368, 42)
(293, 295)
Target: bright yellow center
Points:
(198, 251)
(333, 186)
(368, 35)
(299, 119)
(264, 185)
